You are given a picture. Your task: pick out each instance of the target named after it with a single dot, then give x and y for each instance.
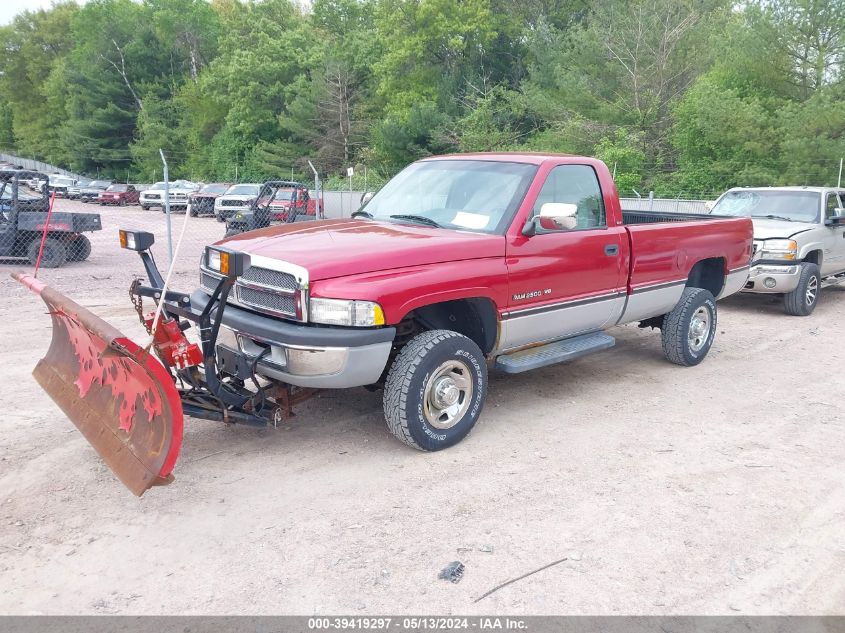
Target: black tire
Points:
(682, 344)
(232, 232)
(122, 202)
(78, 249)
(55, 252)
(145, 207)
(194, 213)
(407, 407)
(802, 301)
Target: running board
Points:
(552, 353)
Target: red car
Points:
(296, 199)
(119, 195)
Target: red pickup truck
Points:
(516, 261)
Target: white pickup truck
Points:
(799, 240)
(179, 190)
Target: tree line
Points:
(684, 97)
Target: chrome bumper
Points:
(303, 366)
(771, 278)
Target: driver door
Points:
(833, 261)
(566, 281)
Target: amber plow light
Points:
(135, 240)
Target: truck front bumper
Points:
(301, 355)
(773, 278)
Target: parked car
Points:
(118, 194)
(202, 202)
(291, 202)
(278, 201)
(237, 198)
(60, 184)
(179, 192)
(74, 191)
(798, 240)
(92, 191)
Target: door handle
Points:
(611, 250)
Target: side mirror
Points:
(836, 219)
(555, 216)
(366, 197)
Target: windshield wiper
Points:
(363, 214)
(419, 219)
(773, 217)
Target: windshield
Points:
(243, 190)
(158, 185)
(59, 180)
(794, 206)
(99, 184)
(117, 188)
(284, 194)
(476, 195)
(214, 189)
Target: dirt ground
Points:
(718, 489)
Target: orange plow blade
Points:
(118, 395)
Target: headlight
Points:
(779, 249)
(225, 261)
(345, 312)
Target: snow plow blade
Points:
(118, 395)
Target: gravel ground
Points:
(717, 489)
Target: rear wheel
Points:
(435, 390)
(689, 329)
(802, 301)
(79, 249)
(55, 253)
(122, 202)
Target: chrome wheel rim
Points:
(447, 394)
(812, 290)
(699, 329)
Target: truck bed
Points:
(652, 217)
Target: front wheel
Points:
(145, 207)
(435, 390)
(689, 329)
(802, 301)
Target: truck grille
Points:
(232, 203)
(266, 277)
(262, 299)
(276, 296)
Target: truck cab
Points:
(799, 240)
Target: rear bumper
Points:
(773, 279)
(301, 355)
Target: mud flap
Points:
(118, 395)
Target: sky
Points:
(10, 8)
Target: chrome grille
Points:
(232, 203)
(208, 282)
(267, 300)
(260, 288)
(266, 277)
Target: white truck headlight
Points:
(345, 312)
(779, 249)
